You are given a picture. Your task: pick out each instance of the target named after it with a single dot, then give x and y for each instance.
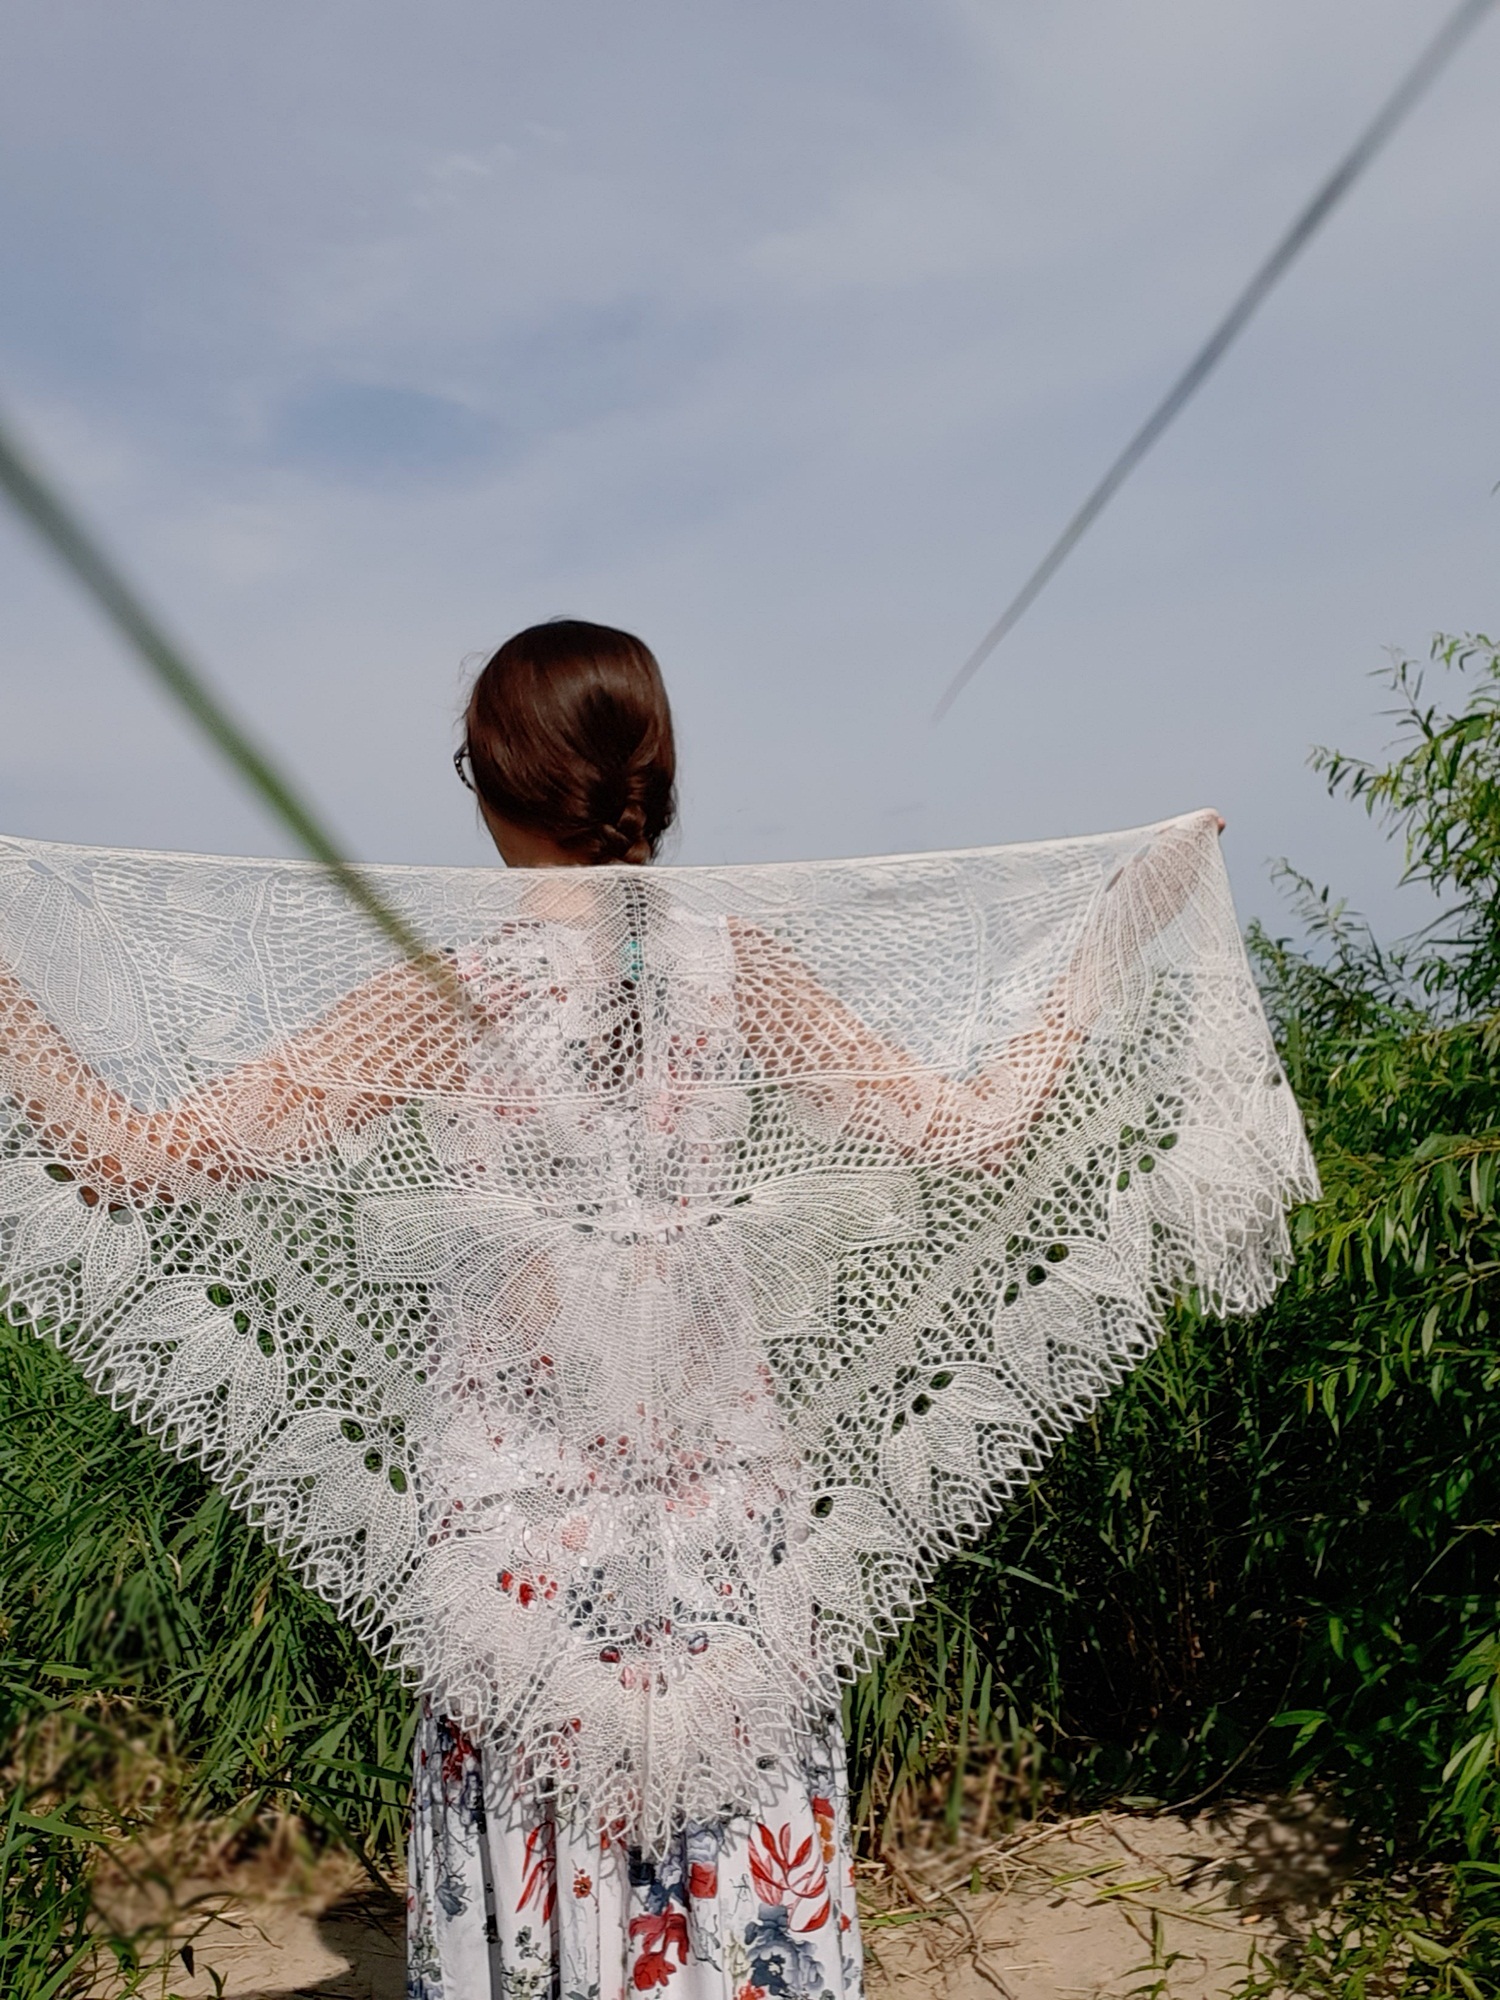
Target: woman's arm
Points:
(804, 1036)
(799, 1033)
(403, 1032)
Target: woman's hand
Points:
(1143, 896)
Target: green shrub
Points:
(1271, 1558)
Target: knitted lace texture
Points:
(619, 1315)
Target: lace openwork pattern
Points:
(619, 1315)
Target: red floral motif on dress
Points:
(822, 1811)
(658, 1935)
(526, 1589)
(783, 1878)
(540, 1881)
(703, 1879)
(457, 1753)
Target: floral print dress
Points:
(510, 1898)
(508, 1901)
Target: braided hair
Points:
(569, 734)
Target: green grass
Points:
(44, 1869)
(148, 1632)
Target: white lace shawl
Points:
(620, 1332)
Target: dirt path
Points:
(1094, 1908)
(1105, 1906)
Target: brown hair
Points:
(570, 735)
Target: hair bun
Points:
(570, 734)
(623, 838)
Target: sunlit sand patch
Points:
(1094, 1907)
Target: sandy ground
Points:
(1094, 1908)
(1111, 1905)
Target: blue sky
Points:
(785, 334)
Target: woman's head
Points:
(568, 735)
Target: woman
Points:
(599, 1415)
(569, 741)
